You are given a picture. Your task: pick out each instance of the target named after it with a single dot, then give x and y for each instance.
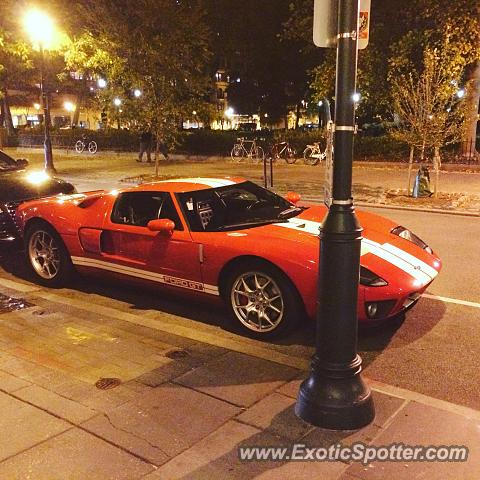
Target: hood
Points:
(21, 185)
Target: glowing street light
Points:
(137, 93)
(461, 93)
(69, 106)
(229, 112)
(356, 97)
(117, 101)
(36, 106)
(40, 28)
(102, 83)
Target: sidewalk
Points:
(180, 408)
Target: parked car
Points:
(18, 185)
(222, 238)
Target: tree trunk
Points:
(297, 116)
(410, 167)
(80, 100)
(468, 150)
(7, 114)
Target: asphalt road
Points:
(433, 351)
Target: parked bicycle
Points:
(313, 154)
(244, 148)
(84, 144)
(284, 151)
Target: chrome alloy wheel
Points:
(257, 301)
(44, 254)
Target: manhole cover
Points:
(107, 383)
(174, 354)
(11, 304)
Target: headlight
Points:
(370, 279)
(411, 237)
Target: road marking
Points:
(465, 303)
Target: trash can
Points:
(421, 185)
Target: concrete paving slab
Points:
(74, 455)
(216, 456)
(275, 414)
(163, 422)
(418, 424)
(238, 378)
(23, 426)
(10, 383)
(55, 404)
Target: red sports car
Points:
(220, 238)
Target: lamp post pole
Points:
(47, 144)
(334, 395)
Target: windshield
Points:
(241, 205)
(6, 162)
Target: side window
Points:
(138, 208)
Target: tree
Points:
(430, 117)
(429, 21)
(15, 61)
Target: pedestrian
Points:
(145, 145)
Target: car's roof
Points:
(187, 184)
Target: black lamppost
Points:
(40, 28)
(334, 395)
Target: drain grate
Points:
(11, 304)
(176, 354)
(107, 383)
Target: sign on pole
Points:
(328, 183)
(325, 23)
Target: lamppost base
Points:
(335, 403)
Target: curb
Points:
(398, 207)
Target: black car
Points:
(18, 185)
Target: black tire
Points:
(290, 155)
(258, 155)
(79, 146)
(92, 147)
(289, 304)
(237, 153)
(37, 263)
(309, 159)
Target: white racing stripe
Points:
(416, 268)
(369, 246)
(146, 275)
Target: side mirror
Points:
(22, 162)
(162, 225)
(293, 197)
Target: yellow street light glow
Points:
(36, 106)
(69, 106)
(117, 102)
(40, 28)
(102, 83)
(229, 112)
(137, 92)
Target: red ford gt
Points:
(220, 238)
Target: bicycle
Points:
(313, 154)
(247, 149)
(283, 150)
(85, 144)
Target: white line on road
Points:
(466, 303)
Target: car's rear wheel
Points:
(262, 300)
(47, 256)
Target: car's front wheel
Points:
(262, 300)
(47, 256)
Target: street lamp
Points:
(102, 83)
(137, 93)
(40, 27)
